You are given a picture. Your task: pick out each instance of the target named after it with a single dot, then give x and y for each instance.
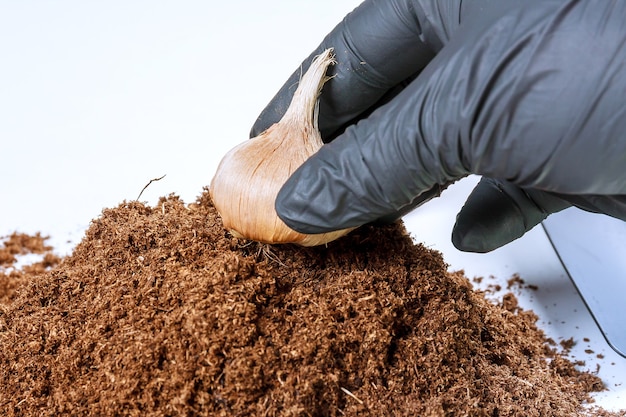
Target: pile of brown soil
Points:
(159, 312)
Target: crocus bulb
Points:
(250, 175)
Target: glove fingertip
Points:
(488, 220)
(470, 239)
(289, 212)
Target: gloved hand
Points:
(529, 94)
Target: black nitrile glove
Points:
(529, 94)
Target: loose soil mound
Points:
(159, 312)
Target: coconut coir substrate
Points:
(160, 312)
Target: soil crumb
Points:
(160, 312)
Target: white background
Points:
(97, 98)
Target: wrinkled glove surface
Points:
(531, 95)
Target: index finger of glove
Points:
(376, 168)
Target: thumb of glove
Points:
(498, 212)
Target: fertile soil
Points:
(160, 312)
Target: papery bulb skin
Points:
(250, 175)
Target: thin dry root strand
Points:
(146, 186)
(264, 250)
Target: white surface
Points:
(97, 98)
(592, 248)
